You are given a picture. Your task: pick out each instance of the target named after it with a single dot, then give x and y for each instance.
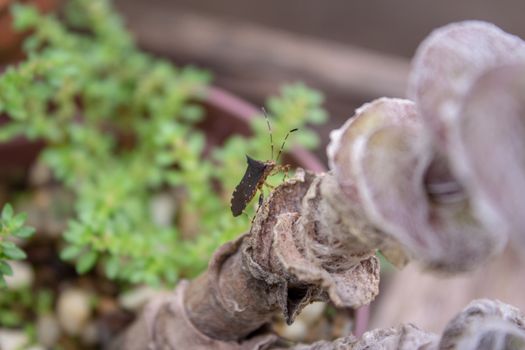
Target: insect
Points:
(255, 176)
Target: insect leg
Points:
(261, 200)
(269, 186)
(286, 170)
(284, 142)
(269, 128)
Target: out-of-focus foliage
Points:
(11, 226)
(19, 305)
(119, 126)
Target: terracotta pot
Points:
(18, 154)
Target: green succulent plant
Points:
(120, 128)
(11, 227)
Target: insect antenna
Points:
(284, 142)
(269, 128)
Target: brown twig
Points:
(294, 254)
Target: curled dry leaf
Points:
(472, 102)
(384, 164)
(489, 150)
(446, 65)
(340, 149)
(485, 324)
(403, 337)
(340, 154)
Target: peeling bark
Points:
(404, 337)
(316, 244)
(385, 164)
(300, 249)
(485, 324)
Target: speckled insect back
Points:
(255, 176)
(252, 181)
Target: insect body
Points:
(255, 177)
(252, 181)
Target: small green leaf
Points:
(7, 245)
(175, 178)
(9, 318)
(5, 269)
(24, 16)
(86, 262)
(7, 212)
(70, 252)
(18, 221)
(192, 113)
(14, 253)
(152, 280)
(112, 267)
(307, 139)
(170, 275)
(44, 301)
(136, 277)
(317, 116)
(24, 232)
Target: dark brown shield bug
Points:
(255, 177)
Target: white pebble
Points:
(48, 330)
(36, 347)
(163, 209)
(40, 174)
(296, 331)
(73, 310)
(23, 275)
(12, 339)
(135, 298)
(312, 312)
(90, 334)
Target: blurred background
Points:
(352, 52)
